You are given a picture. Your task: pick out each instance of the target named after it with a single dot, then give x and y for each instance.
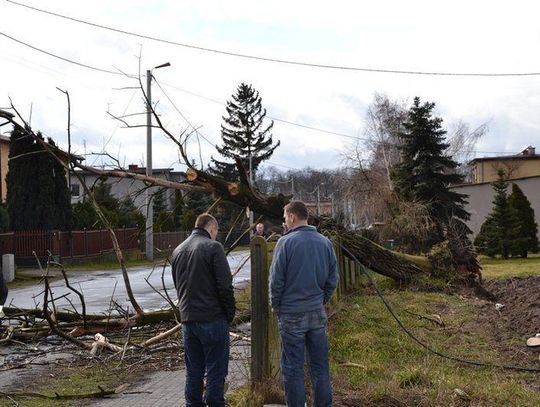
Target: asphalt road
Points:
(99, 287)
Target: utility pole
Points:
(319, 200)
(251, 181)
(149, 209)
(149, 247)
(292, 187)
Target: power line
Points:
(269, 59)
(83, 65)
(305, 126)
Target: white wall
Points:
(480, 197)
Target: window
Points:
(75, 190)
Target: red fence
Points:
(65, 244)
(166, 241)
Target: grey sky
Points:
(458, 36)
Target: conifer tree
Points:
(37, 194)
(496, 233)
(158, 203)
(244, 134)
(425, 173)
(62, 195)
(524, 227)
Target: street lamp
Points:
(149, 210)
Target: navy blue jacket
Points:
(303, 275)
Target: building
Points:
(522, 165)
(124, 187)
(480, 199)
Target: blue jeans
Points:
(299, 331)
(206, 352)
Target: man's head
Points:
(295, 214)
(209, 223)
(259, 229)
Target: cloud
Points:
(431, 36)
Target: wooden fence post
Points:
(259, 314)
(264, 332)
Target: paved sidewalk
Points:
(166, 388)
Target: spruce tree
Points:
(158, 203)
(19, 179)
(37, 193)
(426, 173)
(496, 233)
(62, 196)
(524, 227)
(244, 134)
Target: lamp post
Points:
(149, 210)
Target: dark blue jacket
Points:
(303, 274)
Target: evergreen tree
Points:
(19, 180)
(4, 219)
(195, 204)
(62, 194)
(496, 233)
(158, 203)
(178, 208)
(129, 216)
(524, 228)
(37, 192)
(244, 134)
(425, 173)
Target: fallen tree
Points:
(244, 193)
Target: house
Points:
(522, 165)
(123, 187)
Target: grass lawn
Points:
(514, 267)
(375, 363)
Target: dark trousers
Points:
(206, 352)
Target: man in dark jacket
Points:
(203, 281)
(303, 278)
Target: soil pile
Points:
(520, 298)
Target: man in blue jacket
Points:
(303, 278)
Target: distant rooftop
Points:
(528, 153)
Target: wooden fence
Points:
(61, 244)
(265, 344)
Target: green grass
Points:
(390, 366)
(72, 380)
(515, 267)
(22, 280)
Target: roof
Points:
(526, 154)
(507, 157)
(474, 184)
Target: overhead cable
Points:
(270, 59)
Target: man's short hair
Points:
(204, 219)
(297, 208)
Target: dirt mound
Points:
(520, 298)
